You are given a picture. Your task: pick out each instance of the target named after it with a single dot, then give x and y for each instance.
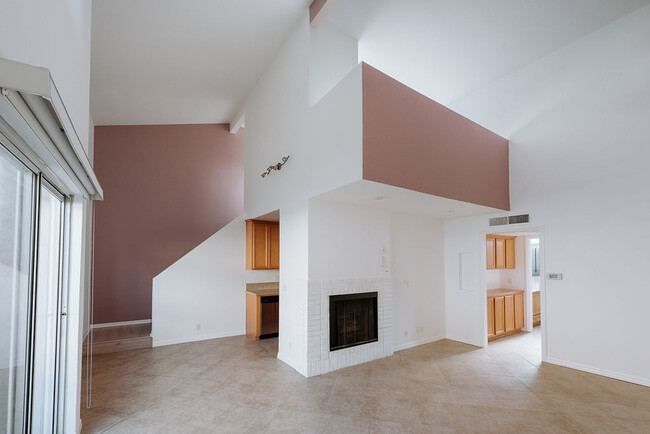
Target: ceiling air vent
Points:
(498, 221)
(510, 220)
(522, 218)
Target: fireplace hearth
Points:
(353, 320)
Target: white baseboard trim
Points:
(417, 343)
(120, 324)
(164, 342)
(78, 428)
(598, 371)
(464, 340)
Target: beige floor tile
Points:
(98, 421)
(204, 414)
(130, 426)
(247, 419)
(237, 385)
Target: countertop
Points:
(265, 288)
(502, 291)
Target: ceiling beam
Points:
(319, 9)
(237, 122)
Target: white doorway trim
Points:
(482, 293)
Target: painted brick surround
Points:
(320, 359)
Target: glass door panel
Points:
(47, 310)
(17, 191)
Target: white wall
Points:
(205, 288)
(294, 259)
(324, 142)
(331, 55)
(418, 279)
(347, 242)
(580, 169)
(53, 35)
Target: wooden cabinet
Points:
(509, 314)
(490, 315)
(537, 309)
(510, 253)
(499, 252)
(262, 245)
(262, 315)
(489, 253)
(505, 312)
(499, 320)
(519, 311)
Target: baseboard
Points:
(79, 425)
(164, 342)
(417, 343)
(120, 324)
(597, 371)
(466, 341)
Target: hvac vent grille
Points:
(522, 218)
(498, 221)
(510, 220)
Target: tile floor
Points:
(237, 385)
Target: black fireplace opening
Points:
(353, 320)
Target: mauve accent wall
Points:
(411, 141)
(167, 188)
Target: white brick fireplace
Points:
(319, 357)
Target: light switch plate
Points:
(554, 276)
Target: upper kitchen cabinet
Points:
(262, 245)
(500, 252)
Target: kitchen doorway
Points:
(514, 292)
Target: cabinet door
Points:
(274, 246)
(490, 317)
(537, 311)
(252, 316)
(499, 322)
(509, 312)
(510, 253)
(260, 246)
(500, 253)
(489, 253)
(519, 311)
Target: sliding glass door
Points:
(32, 246)
(47, 310)
(17, 211)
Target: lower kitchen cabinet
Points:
(537, 309)
(505, 312)
(262, 315)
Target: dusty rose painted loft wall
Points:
(167, 188)
(411, 141)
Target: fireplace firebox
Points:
(353, 320)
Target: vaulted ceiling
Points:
(194, 61)
(182, 61)
(447, 49)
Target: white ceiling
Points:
(446, 49)
(194, 61)
(366, 193)
(182, 61)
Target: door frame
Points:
(42, 181)
(482, 293)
